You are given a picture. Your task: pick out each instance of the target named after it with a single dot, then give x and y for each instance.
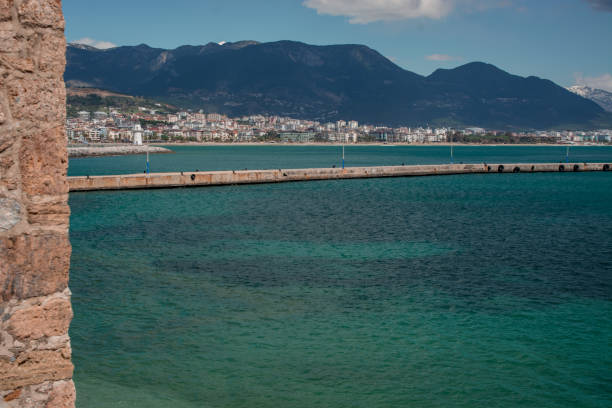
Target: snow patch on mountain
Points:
(599, 96)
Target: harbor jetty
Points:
(220, 178)
(117, 150)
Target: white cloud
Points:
(601, 82)
(102, 45)
(442, 57)
(368, 11)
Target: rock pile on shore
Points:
(92, 151)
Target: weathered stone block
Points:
(35, 367)
(23, 93)
(44, 161)
(22, 61)
(24, 43)
(52, 56)
(33, 265)
(9, 39)
(6, 7)
(58, 394)
(6, 163)
(8, 175)
(21, 50)
(63, 395)
(52, 318)
(40, 101)
(13, 395)
(55, 112)
(4, 113)
(7, 138)
(10, 213)
(49, 213)
(41, 13)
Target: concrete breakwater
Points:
(93, 151)
(219, 178)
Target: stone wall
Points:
(35, 311)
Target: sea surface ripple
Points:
(458, 291)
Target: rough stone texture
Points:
(36, 367)
(35, 311)
(9, 37)
(52, 318)
(10, 213)
(36, 101)
(40, 173)
(58, 394)
(50, 212)
(6, 7)
(63, 395)
(36, 324)
(41, 13)
(49, 61)
(34, 264)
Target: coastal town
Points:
(146, 125)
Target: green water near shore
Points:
(191, 158)
(459, 291)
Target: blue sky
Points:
(567, 41)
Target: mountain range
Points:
(327, 83)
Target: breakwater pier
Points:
(233, 177)
(118, 150)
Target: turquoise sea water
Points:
(459, 291)
(190, 158)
